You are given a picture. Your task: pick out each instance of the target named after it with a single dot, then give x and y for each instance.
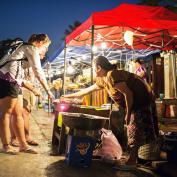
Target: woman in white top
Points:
(11, 80)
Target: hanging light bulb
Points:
(103, 45)
(74, 62)
(84, 57)
(94, 48)
(70, 69)
(128, 37)
(99, 36)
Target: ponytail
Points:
(104, 63)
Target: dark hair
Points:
(104, 63)
(138, 61)
(38, 38)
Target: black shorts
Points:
(9, 89)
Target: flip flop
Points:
(14, 143)
(28, 150)
(125, 167)
(32, 142)
(10, 151)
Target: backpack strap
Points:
(23, 59)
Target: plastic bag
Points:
(109, 148)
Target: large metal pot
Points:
(83, 121)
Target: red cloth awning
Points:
(155, 26)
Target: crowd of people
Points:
(129, 91)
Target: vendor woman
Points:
(131, 92)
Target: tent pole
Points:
(174, 72)
(64, 74)
(92, 56)
(49, 80)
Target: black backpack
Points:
(7, 48)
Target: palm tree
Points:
(72, 27)
(170, 4)
(150, 2)
(158, 2)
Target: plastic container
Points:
(79, 151)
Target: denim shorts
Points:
(9, 89)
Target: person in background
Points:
(135, 96)
(11, 81)
(28, 103)
(140, 70)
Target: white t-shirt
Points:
(14, 71)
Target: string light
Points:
(103, 45)
(128, 37)
(70, 69)
(94, 48)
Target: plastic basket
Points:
(149, 151)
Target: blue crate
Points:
(79, 150)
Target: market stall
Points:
(110, 33)
(119, 36)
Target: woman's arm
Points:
(123, 88)
(83, 92)
(31, 87)
(34, 61)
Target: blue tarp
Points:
(83, 53)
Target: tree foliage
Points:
(159, 2)
(170, 4)
(72, 27)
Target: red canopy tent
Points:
(151, 27)
(148, 28)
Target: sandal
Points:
(9, 150)
(14, 143)
(32, 142)
(28, 150)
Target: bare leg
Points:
(11, 129)
(14, 142)
(26, 115)
(6, 108)
(18, 123)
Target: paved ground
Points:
(45, 165)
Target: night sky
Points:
(21, 18)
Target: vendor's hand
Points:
(68, 96)
(64, 96)
(63, 99)
(56, 100)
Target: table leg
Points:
(62, 140)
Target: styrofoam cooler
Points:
(79, 150)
